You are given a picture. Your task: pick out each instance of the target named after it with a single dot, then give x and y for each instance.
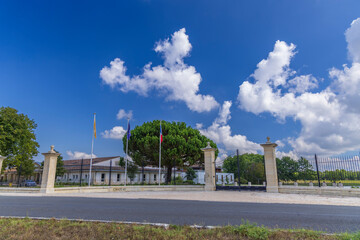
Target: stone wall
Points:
(109, 189)
(327, 191)
(130, 188)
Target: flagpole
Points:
(92, 149)
(160, 155)
(127, 146)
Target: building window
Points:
(118, 178)
(154, 177)
(85, 176)
(144, 177)
(103, 177)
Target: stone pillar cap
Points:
(52, 151)
(208, 147)
(268, 143)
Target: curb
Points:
(164, 225)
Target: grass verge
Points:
(14, 228)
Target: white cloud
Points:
(224, 114)
(221, 157)
(347, 84)
(177, 80)
(199, 125)
(290, 154)
(176, 49)
(115, 76)
(123, 114)
(220, 132)
(303, 83)
(79, 155)
(276, 67)
(279, 143)
(116, 132)
(352, 35)
(329, 118)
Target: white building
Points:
(104, 170)
(102, 173)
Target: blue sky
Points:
(51, 55)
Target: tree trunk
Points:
(168, 174)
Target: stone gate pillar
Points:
(209, 162)
(270, 166)
(1, 162)
(49, 171)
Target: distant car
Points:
(29, 183)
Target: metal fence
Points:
(250, 174)
(340, 170)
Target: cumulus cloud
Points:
(220, 132)
(224, 114)
(291, 154)
(116, 132)
(352, 35)
(280, 143)
(221, 157)
(275, 68)
(79, 155)
(303, 83)
(115, 76)
(177, 80)
(123, 114)
(329, 117)
(176, 49)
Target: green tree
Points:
(287, 168)
(230, 166)
(27, 167)
(60, 170)
(17, 140)
(181, 145)
(122, 162)
(254, 170)
(190, 174)
(132, 168)
(251, 167)
(305, 169)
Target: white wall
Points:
(96, 177)
(221, 177)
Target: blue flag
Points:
(128, 131)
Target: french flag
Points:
(161, 136)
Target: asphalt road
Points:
(317, 217)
